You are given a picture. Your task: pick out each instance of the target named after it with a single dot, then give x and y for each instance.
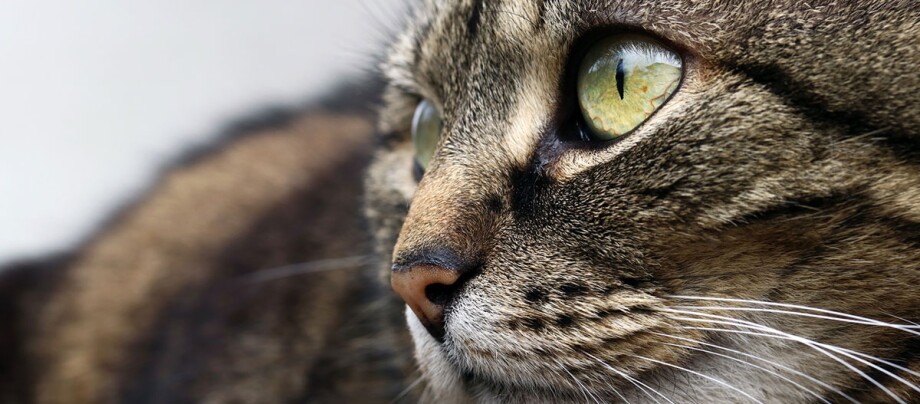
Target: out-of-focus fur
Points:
(785, 170)
(242, 276)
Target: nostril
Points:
(429, 289)
(439, 293)
(426, 289)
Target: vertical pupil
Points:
(621, 78)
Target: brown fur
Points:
(163, 306)
(785, 169)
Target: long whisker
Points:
(815, 347)
(901, 327)
(851, 318)
(644, 390)
(880, 360)
(707, 377)
(405, 392)
(776, 364)
(617, 392)
(324, 265)
(774, 333)
(640, 388)
(904, 320)
(862, 136)
(584, 390)
(634, 381)
(772, 372)
(845, 351)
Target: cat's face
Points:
(678, 261)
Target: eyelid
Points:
(566, 156)
(571, 160)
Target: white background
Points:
(96, 94)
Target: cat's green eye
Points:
(622, 80)
(426, 131)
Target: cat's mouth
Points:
(469, 367)
(486, 358)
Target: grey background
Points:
(96, 94)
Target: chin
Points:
(444, 383)
(448, 381)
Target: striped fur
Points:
(784, 170)
(192, 294)
(687, 262)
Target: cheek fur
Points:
(756, 182)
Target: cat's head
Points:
(655, 201)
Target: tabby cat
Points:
(579, 201)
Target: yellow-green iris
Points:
(426, 131)
(622, 80)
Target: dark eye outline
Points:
(571, 129)
(417, 171)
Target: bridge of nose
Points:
(457, 201)
(460, 201)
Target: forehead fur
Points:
(822, 55)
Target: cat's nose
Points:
(427, 289)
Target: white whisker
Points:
(774, 333)
(907, 328)
(584, 390)
(634, 381)
(851, 318)
(324, 265)
(617, 392)
(903, 319)
(847, 352)
(707, 377)
(405, 392)
(815, 347)
(882, 361)
(769, 371)
(776, 364)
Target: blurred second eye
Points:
(426, 132)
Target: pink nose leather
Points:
(417, 285)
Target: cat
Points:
(601, 201)
(243, 275)
(670, 201)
